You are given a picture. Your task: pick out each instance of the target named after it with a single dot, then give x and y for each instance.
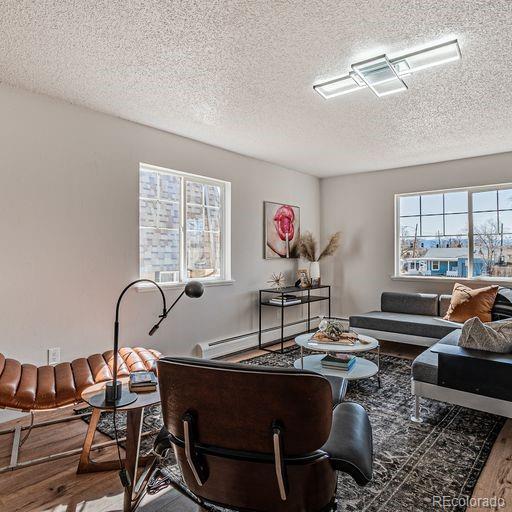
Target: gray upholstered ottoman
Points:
(470, 378)
(424, 367)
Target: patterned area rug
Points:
(443, 456)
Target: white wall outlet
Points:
(54, 356)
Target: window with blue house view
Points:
(455, 233)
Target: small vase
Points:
(314, 272)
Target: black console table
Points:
(305, 297)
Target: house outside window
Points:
(459, 233)
(184, 226)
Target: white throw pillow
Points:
(491, 336)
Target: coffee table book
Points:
(340, 361)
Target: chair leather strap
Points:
(280, 467)
(227, 453)
(193, 458)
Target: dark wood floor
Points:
(55, 486)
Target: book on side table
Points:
(141, 382)
(285, 300)
(343, 362)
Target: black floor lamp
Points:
(114, 395)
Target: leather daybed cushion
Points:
(424, 367)
(404, 323)
(28, 387)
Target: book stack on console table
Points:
(343, 362)
(141, 382)
(285, 300)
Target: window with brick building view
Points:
(455, 233)
(182, 226)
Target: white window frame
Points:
(471, 245)
(225, 230)
(436, 265)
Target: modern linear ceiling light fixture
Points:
(383, 76)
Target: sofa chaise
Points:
(445, 372)
(413, 318)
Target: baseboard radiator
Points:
(214, 349)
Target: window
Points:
(183, 226)
(455, 233)
(492, 228)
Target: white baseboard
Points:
(213, 349)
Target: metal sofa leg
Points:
(416, 416)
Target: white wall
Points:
(69, 231)
(362, 207)
(69, 226)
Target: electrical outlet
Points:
(54, 355)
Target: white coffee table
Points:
(362, 369)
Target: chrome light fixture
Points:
(383, 76)
(380, 76)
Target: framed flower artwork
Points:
(282, 230)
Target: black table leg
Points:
(259, 330)
(309, 311)
(282, 324)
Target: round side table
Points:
(362, 369)
(134, 411)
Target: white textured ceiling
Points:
(238, 74)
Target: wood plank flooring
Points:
(55, 487)
(496, 479)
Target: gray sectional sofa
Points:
(444, 371)
(414, 318)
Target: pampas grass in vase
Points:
(308, 250)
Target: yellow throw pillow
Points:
(467, 303)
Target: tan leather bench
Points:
(29, 388)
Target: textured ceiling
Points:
(238, 74)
